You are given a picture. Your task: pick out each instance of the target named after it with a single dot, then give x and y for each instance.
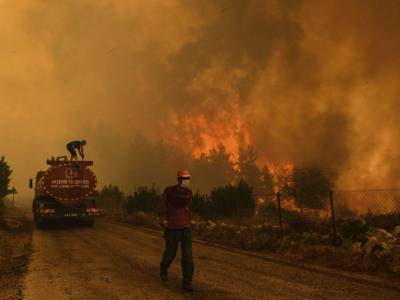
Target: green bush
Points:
(356, 230)
(142, 219)
(145, 199)
(200, 205)
(1, 210)
(5, 177)
(111, 198)
(385, 221)
(309, 187)
(232, 201)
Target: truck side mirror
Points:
(30, 183)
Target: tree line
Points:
(236, 185)
(5, 178)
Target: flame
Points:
(290, 204)
(280, 172)
(260, 200)
(202, 134)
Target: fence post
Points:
(125, 206)
(333, 217)
(278, 198)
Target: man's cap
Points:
(183, 173)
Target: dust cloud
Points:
(150, 83)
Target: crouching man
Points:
(175, 218)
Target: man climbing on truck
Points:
(76, 145)
(175, 218)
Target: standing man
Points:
(76, 145)
(175, 218)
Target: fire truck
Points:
(65, 191)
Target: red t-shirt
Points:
(177, 202)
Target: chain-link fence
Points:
(346, 203)
(379, 206)
(321, 212)
(350, 203)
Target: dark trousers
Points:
(71, 150)
(172, 238)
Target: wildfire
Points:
(290, 205)
(280, 172)
(260, 200)
(203, 135)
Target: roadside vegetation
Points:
(15, 239)
(5, 177)
(366, 243)
(240, 210)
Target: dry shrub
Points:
(386, 221)
(142, 219)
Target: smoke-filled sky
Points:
(310, 82)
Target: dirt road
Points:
(117, 261)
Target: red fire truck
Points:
(66, 190)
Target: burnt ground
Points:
(120, 261)
(15, 252)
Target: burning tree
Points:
(248, 170)
(212, 169)
(261, 181)
(267, 184)
(309, 187)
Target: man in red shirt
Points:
(175, 218)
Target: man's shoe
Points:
(164, 277)
(187, 286)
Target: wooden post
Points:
(14, 191)
(278, 198)
(334, 237)
(125, 206)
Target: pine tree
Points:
(310, 187)
(248, 170)
(267, 184)
(212, 169)
(5, 173)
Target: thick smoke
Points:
(356, 45)
(309, 82)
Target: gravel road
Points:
(118, 261)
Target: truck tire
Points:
(40, 224)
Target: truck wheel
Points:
(40, 224)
